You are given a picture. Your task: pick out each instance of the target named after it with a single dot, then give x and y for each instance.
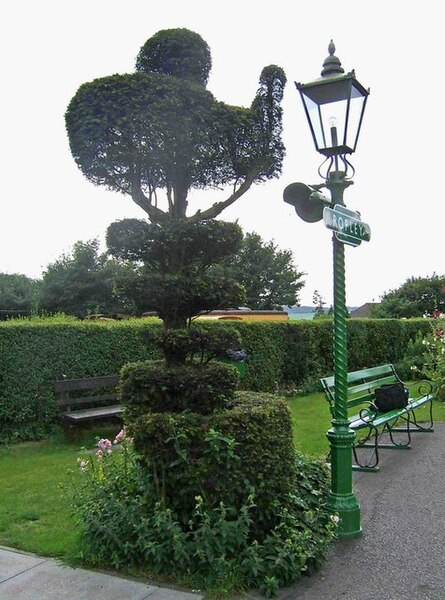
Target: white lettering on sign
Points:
(345, 225)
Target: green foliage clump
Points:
(17, 293)
(172, 272)
(198, 344)
(417, 297)
(177, 52)
(157, 386)
(268, 274)
(186, 457)
(160, 129)
(219, 549)
(81, 283)
(434, 356)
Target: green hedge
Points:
(35, 352)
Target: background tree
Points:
(267, 273)
(414, 298)
(18, 292)
(319, 304)
(82, 282)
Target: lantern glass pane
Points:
(313, 113)
(355, 114)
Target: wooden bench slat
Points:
(103, 404)
(68, 401)
(89, 383)
(94, 413)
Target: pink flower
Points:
(104, 445)
(99, 455)
(82, 464)
(120, 436)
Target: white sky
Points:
(49, 48)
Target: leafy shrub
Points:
(434, 344)
(198, 344)
(124, 525)
(216, 455)
(414, 361)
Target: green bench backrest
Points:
(361, 385)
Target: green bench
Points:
(88, 399)
(374, 424)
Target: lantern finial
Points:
(331, 65)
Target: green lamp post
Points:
(334, 106)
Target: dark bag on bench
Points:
(390, 396)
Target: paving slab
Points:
(27, 577)
(14, 563)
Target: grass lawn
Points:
(34, 511)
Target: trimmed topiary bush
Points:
(184, 418)
(155, 386)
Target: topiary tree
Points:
(160, 129)
(172, 266)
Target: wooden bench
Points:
(77, 403)
(374, 424)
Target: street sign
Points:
(347, 225)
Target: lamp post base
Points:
(348, 510)
(341, 500)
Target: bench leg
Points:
(420, 428)
(397, 445)
(371, 465)
(372, 440)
